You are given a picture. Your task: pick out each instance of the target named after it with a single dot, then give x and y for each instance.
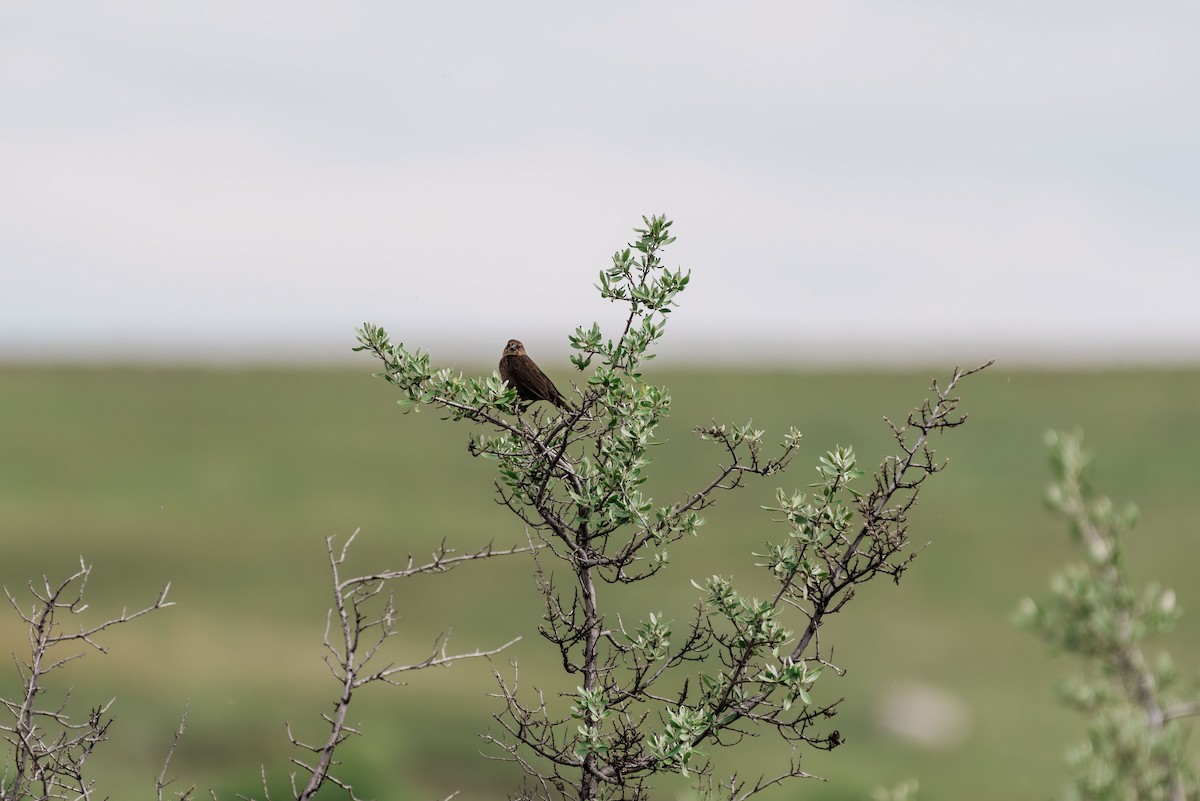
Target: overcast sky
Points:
(849, 179)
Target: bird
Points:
(523, 375)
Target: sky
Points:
(850, 181)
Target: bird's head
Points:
(514, 348)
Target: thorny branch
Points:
(355, 634)
(162, 782)
(49, 749)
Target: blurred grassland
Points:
(225, 482)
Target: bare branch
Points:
(163, 782)
(361, 635)
(50, 749)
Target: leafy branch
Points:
(1136, 740)
(650, 696)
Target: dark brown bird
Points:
(526, 377)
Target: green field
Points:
(226, 482)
